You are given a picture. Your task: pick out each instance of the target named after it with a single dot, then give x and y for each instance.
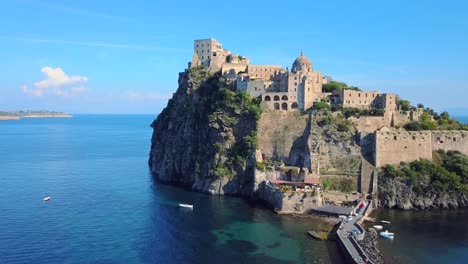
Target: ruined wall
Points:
(393, 147)
(370, 124)
(450, 140)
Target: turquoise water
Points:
(105, 207)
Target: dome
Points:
(302, 63)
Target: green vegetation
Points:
(260, 166)
(321, 106)
(227, 110)
(349, 112)
(342, 127)
(449, 172)
(286, 188)
(221, 171)
(334, 86)
(342, 184)
(429, 120)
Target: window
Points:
(395, 137)
(202, 57)
(359, 94)
(295, 78)
(295, 83)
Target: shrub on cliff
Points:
(426, 176)
(334, 86)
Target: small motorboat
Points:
(378, 227)
(387, 234)
(47, 198)
(385, 222)
(186, 206)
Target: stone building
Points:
(364, 100)
(278, 88)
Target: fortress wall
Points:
(450, 140)
(370, 124)
(393, 147)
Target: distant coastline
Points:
(16, 115)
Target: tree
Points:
(321, 106)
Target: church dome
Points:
(302, 63)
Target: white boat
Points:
(387, 234)
(385, 222)
(186, 205)
(378, 227)
(47, 198)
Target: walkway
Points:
(347, 242)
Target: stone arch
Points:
(284, 98)
(276, 98)
(284, 106)
(294, 106)
(277, 106)
(267, 98)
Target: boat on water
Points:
(378, 227)
(47, 198)
(387, 234)
(186, 205)
(385, 222)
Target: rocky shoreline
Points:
(371, 247)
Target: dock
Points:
(347, 242)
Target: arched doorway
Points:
(267, 98)
(294, 106)
(284, 98)
(277, 106)
(276, 98)
(284, 106)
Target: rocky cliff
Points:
(212, 139)
(426, 184)
(400, 194)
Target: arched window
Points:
(284, 98)
(276, 106)
(267, 98)
(276, 98)
(284, 106)
(294, 106)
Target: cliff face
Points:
(205, 137)
(399, 194)
(210, 138)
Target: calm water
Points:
(426, 237)
(105, 208)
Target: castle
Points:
(300, 88)
(279, 88)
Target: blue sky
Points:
(125, 56)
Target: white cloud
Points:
(56, 78)
(142, 96)
(56, 83)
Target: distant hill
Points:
(15, 115)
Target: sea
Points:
(106, 208)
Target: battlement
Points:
(395, 146)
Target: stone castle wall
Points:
(450, 140)
(393, 147)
